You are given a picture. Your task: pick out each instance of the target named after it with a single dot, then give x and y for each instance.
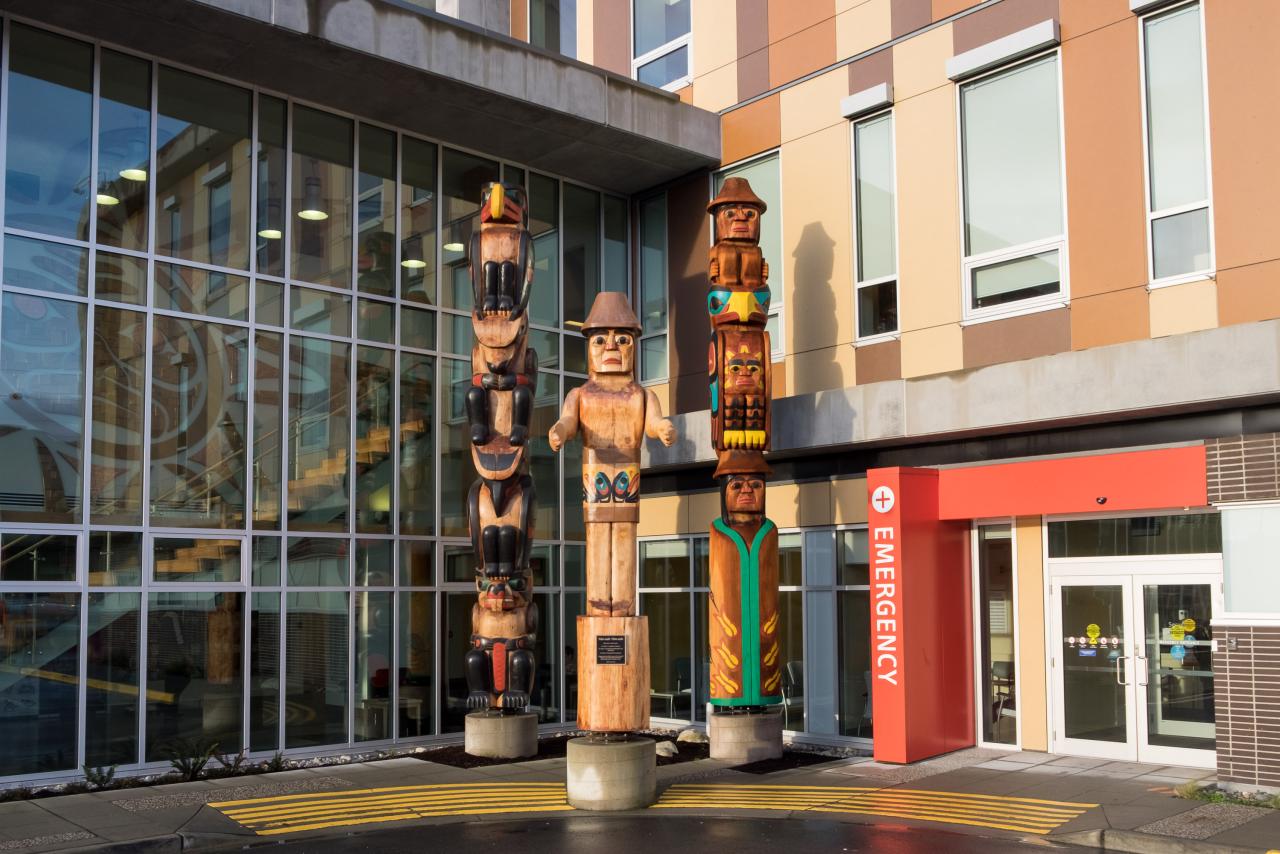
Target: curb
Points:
(1133, 842)
(170, 843)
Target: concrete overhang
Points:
(1190, 372)
(392, 62)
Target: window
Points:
(653, 289)
(1250, 538)
(661, 42)
(764, 174)
(1011, 162)
(553, 25)
(1181, 241)
(875, 205)
(997, 644)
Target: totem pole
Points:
(613, 414)
(499, 404)
(743, 630)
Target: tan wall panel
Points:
(920, 63)
(821, 370)
(814, 105)
(928, 211)
(1244, 116)
(704, 507)
(782, 504)
(1184, 308)
(932, 351)
(714, 26)
(717, 90)
(849, 501)
(663, 393)
(878, 362)
(788, 17)
(751, 129)
(586, 31)
(659, 515)
(1106, 204)
(862, 27)
(807, 50)
(1110, 318)
(815, 503)
(1032, 682)
(1249, 293)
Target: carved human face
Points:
(743, 373)
(744, 493)
(502, 593)
(611, 351)
(738, 222)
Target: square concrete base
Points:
(614, 775)
(501, 736)
(745, 737)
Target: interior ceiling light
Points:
(133, 174)
(453, 247)
(311, 201)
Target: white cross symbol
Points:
(882, 499)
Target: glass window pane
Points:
(670, 654)
(547, 655)
(459, 564)
(1192, 533)
(553, 25)
(1022, 278)
(417, 328)
(664, 563)
(418, 221)
(264, 672)
(457, 333)
(701, 654)
(375, 396)
(456, 469)
(1251, 541)
(820, 675)
(1175, 108)
(417, 427)
(265, 566)
(111, 693)
(272, 164)
(571, 469)
(575, 573)
(666, 69)
(321, 190)
(1180, 243)
(581, 252)
(195, 677)
(42, 266)
(852, 560)
(376, 211)
(42, 381)
(374, 621)
(616, 260)
(574, 605)
(122, 278)
(1011, 157)
(117, 435)
(658, 22)
(465, 177)
(318, 562)
(318, 433)
(38, 699)
(653, 264)
(48, 139)
(196, 291)
(315, 668)
(653, 358)
(37, 557)
(202, 170)
(416, 560)
(455, 640)
(185, 559)
(269, 303)
(766, 182)
(124, 150)
(199, 395)
(542, 466)
(544, 226)
(790, 554)
(374, 563)
(375, 321)
(854, 661)
(877, 309)
(997, 666)
(417, 664)
(319, 311)
(873, 184)
(114, 559)
(791, 615)
(268, 427)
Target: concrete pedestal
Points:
(741, 738)
(501, 736)
(614, 775)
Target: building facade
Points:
(1024, 336)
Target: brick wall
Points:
(1243, 468)
(1247, 696)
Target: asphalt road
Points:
(673, 835)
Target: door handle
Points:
(1119, 659)
(1142, 670)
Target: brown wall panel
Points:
(1244, 116)
(753, 74)
(807, 50)
(878, 362)
(751, 129)
(753, 26)
(688, 237)
(871, 71)
(1106, 201)
(910, 15)
(1110, 318)
(1000, 20)
(611, 32)
(1249, 293)
(1041, 334)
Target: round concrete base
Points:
(501, 736)
(615, 775)
(743, 738)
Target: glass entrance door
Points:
(1133, 667)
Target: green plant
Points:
(188, 758)
(276, 763)
(99, 778)
(231, 763)
(1189, 790)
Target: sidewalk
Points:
(1112, 805)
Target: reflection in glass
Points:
(877, 309)
(121, 278)
(1093, 698)
(791, 616)
(37, 557)
(418, 221)
(546, 647)
(268, 424)
(118, 436)
(374, 621)
(315, 668)
(666, 69)
(48, 140)
(375, 396)
(321, 205)
(455, 640)
(571, 475)
(319, 311)
(653, 264)
(38, 702)
(658, 22)
(465, 176)
(199, 396)
(319, 422)
(417, 663)
(268, 303)
(616, 262)
(456, 334)
(1175, 108)
(575, 569)
(544, 566)
(853, 566)
(185, 559)
(543, 462)
(581, 252)
(701, 654)
(416, 559)
(264, 672)
(1178, 659)
(264, 568)
(544, 227)
(790, 560)
(318, 562)
(203, 179)
(124, 150)
(575, 604)
(553, 25)
(195, 678)
(1184, 533)
(41, 408)
(376, 211)
(853, 612)
(997, 661)
(1020, 278)
(111, 694)
(456, 468)
(670, 646)
(664, 563)
(196, 291)
(459, 563)
(874, 199)
(272, 161)
(417, 426)
(376, 321)
(114, 559)
(374, 563)
(39, 265)
(418, 328)
(1180, 243)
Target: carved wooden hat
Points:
(741, 462)
(611, 310)
(737, 191)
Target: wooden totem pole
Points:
(500, 666)
(743, 630)
(613, 414)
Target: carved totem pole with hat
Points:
(612, 413)
(499, 665)
(743, 627)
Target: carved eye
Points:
(599, 339)
(624, 340)
(516, 584)
(757, 484)
(751, 214)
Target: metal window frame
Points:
(895, 277)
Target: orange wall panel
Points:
(1249, 293)
(807, 50)
(751, 129)
(1110, 318)
(788, 17)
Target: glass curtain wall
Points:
(997, 704)
(234, 336)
